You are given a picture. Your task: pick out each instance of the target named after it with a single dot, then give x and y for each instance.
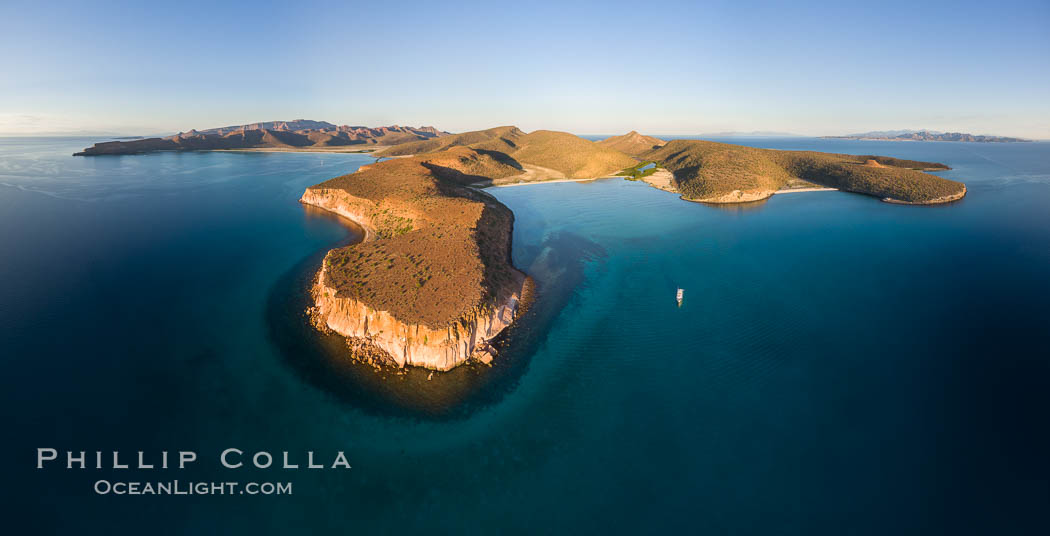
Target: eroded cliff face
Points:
(936, 201)
(407, 343)
(341, 203)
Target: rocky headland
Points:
(432, 283)
(711, 172)
(297, 135)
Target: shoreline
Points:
(527, 183)
(339, 150)
(319, 150)
(938, 201)
(799, 190)
(404, 342)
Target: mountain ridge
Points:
(632, 143)
(298, 134)
(927, 135)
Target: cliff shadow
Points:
(323, 360)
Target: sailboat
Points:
(681, 293)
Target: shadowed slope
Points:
(497, 139)
(719, 172)
(886, 181)
(570, 155)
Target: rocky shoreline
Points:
(412, 344)
(380, 336)
(938, 201)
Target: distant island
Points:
(297, 135)
(925, 135)
(432, 283)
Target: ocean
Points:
(838, 365)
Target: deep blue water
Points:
(839, 365)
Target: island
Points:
(297, 135)
(432, 284)
(926, 135)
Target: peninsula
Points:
(926, 135)
(432, 283)
(711, 172)
(297, 135)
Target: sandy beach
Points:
(541, 181)
(662, 179)
(799, 190)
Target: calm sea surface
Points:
(839, 365)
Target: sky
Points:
(811, 68)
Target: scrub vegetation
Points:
(570, 155)
(441, 248)
(705, 170)
(637, 172)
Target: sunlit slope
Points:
(440, 251)
(570, 155)
(720, 172)
(632, 143)
(498, 138)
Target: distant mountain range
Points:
(925, 135)
(300, 134)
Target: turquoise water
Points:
(839, 365)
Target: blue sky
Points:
(587, 67)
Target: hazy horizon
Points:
(608, 68)
(664, 135)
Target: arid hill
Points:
(300, 134)
(433, 282)
(424, 265)
(722, 173)
(632, 143)
(499, 138)
(569, 155)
